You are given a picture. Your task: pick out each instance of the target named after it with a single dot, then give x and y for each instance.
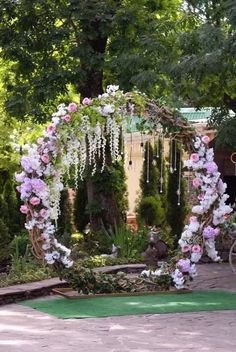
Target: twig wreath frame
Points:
(76, 139)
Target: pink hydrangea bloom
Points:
(194, 157)
(196, 248)
(45, 158)
(184, 265)
(24, 209)
(72, 107)
(34, 200)
(38, 184)
(208, 232)
(86, 101)
(196, 182)
(211, 167)
(66, 118)
(205, 139)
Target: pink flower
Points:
(201, 196)
(24, 209)
(194, 157)
(40, 140)
(34, 201)
(205, 139)
(196, 248)
(196, 182)
(51, 128)
(86, 101)
(217, 231)
(43, 212)
(185, 248)
(45, 158)
(72, 107)
(66, 118)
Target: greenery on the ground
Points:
(23, 267)
(86, 281)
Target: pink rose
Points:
(66, 118)
(86, 101)
(196, 182)
(34, 201)
(51, 128)
(72, 107)
(196, 248)
(205, 139)
(43, 212)
(45, 158)
(194, 157)
(185, 248)
(24, 209)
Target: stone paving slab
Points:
(33, 289)
(23, 329)
(13, 293)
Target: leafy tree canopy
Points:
(56, 45)
(204, 71)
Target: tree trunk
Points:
(92, 86)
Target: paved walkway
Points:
(23, 329)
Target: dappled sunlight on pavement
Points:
(23, 329)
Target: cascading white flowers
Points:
(72, 139)
(76, 140)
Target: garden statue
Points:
(157, 249)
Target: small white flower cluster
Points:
(61, 147)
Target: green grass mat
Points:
(127, 305)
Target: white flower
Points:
(195, 257)
(108, 109)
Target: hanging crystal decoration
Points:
(171, 156)
(148, 162)
(179, 178)
(157, 147)
(175, 155)
(162, 163)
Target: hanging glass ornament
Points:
(171, 156)
(179, 178)
(148, 162)
(175, 155)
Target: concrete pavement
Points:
(23, 329)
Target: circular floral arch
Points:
(76, 139)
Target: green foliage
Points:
(130, 243)
(86, 281)
(52, 47)
(65, 218)
(204, 70)
(176, 214)
(10, 217)
(151, 212)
